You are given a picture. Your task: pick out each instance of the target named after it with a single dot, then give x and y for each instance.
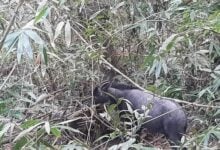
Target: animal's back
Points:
(170, 119)
(167, 117)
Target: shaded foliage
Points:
(51, 60)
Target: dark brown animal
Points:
(170, 119)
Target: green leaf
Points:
(55, 131)
(148, 60)
(25, 132)
(152, 88)
(41, 14)
(43, 52)
(3, 107)
(211, 93)
(217, 48)
(112, 107)
(68, 128)
(168, 43)
(20, 143)
(101, 137)
(201, 93)
(216, 132)
(217, 113)
(29, 123)
(152, 69)
(46, 145)
(95, 14)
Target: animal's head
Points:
(110, 92)
(101, 94)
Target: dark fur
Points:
(172, 125)
(122, 86)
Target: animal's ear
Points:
(105, 85)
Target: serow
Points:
(169, 118)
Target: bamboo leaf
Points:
(47, 127)
(56, 132)
(34, 36)
(25, 132)
(68, 33)
(58, 30)
(5, 129)
(168, 43)
(42, 13)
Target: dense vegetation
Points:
(54, 52)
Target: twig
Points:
(10, 23)
(12, 70)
